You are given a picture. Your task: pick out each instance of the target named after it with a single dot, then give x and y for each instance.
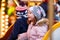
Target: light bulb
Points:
(3, 12)
(6, 16)
(3, 4)
(2, 21)
(2, 16)
(3, 9)
(6, 27)
(3, 29)
(3, 33)
(3, 0)
(6, 20)
(3, 25)
(6, 23)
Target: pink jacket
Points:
(37, 33)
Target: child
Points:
(37, 26)
(20, 25)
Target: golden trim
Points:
(54, 27)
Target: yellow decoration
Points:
(10, 10)
(31, 3)
(54, 27)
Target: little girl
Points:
(37, 25)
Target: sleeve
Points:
(14, 32)
(22, 36)
(42, 31)
(33, 33)
(19, 28)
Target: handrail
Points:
(54, 27)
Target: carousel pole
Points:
(16, 2)
(51, 15)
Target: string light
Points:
(6, 27)
(3, 33)
(3, 9)
(6, 20)
(3, 25)
(2, 21)
(3, 12)
(6, 16)
(3, 0)
(3, 4)
(6, 23)
(2, 16)
(3, 29)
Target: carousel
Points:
(8, 7)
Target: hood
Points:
(43, 20)
(20, 8)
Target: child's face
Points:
(30, 15)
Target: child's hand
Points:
(47, 21)
(31, 25)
